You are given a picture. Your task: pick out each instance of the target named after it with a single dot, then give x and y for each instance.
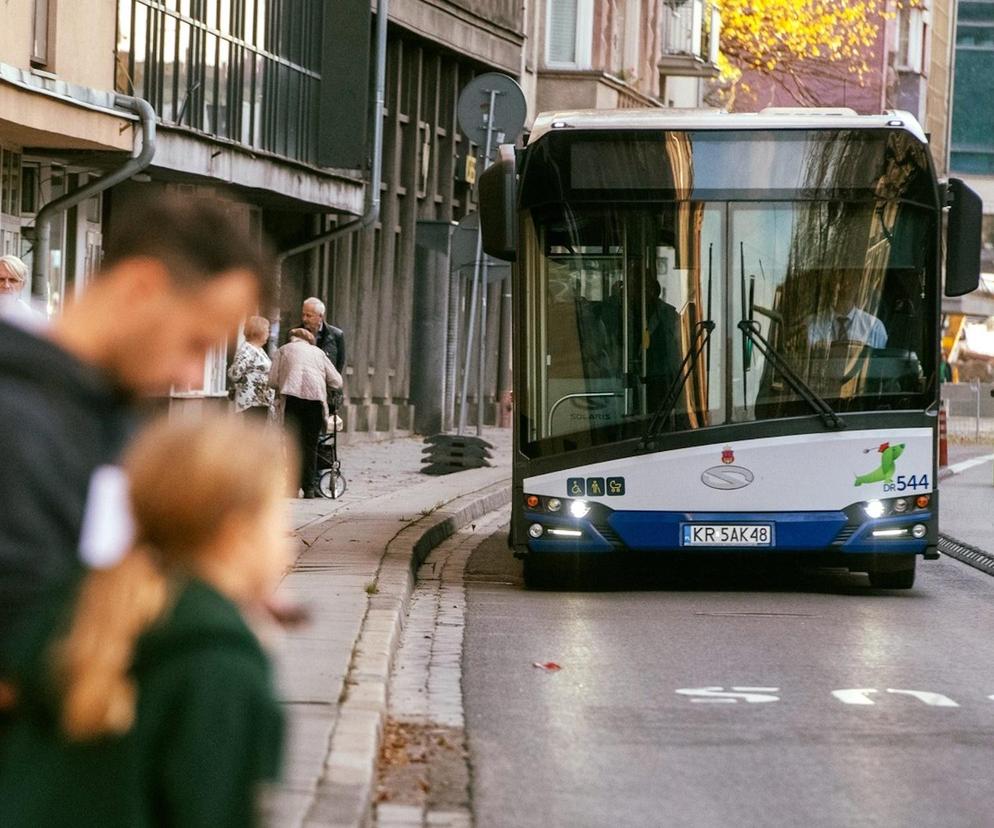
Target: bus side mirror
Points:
(963, 239)
(498, 199)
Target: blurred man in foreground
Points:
(177, 278)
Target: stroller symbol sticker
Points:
(615, 486)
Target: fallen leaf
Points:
(548, 666)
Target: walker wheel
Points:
(332, 490)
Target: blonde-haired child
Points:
(145, 697)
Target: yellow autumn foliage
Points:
(798, 36)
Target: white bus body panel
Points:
(808, 472)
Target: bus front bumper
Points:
(842, 532)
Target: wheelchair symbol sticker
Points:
(615, 486)
(595, 487)
(576, 487)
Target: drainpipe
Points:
(372, 209)
(134, 165)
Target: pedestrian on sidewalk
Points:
(148, 698)
(177, 277)
(329, 339)
(249, 371)
(303, 376)
(13, 276)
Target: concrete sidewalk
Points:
(354, 572)
(966, 504)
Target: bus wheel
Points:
(903, 578)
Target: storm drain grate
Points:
(971, 555)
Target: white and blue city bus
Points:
(727, 333)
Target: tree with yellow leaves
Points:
(798, 44)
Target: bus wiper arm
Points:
(702, 336)
(750, 329)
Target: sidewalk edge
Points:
(344, 796)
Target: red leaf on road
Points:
(548, 666)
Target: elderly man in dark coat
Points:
(329, 339)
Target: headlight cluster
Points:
(553, 505)
(896, 506)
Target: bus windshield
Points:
(616, 296)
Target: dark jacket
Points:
(208, 730)
(59, 420)
(331, 340)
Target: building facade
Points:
(266, 105)
(617, 54)
(971, 148)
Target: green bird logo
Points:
(888, 460)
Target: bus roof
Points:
(703, 119)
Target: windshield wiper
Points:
(750, 329)
(702, 337)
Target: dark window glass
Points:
(617, 294)
(702, 165)
(248, 70)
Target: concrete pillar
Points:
(429, 328)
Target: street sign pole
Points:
(483, 280)
(474, 301)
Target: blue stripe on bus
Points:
(791, 530)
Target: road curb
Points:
(344, 795)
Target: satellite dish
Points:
(510, 110)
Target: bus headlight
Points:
(536, 530)
(874, 509)
(919, 530)
(579, 508)
(554, 504)
(900, 505)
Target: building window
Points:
(687, 28)
(245, 70)
(569, 33)
(10, 182)
(911, 39)
(41, 32)
(972, 145)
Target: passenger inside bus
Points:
(662, 343)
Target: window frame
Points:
(583, 36)
(43, 14)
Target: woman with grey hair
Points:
(303, 375)
(13, 276)
(249, 371)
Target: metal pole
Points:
(473, 303)
(469, 342)
(481, 369)
(976, 389)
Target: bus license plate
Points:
(727, 534)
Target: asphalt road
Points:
(609, 740)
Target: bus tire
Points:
(903, 578)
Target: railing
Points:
(970, 409)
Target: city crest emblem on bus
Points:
(727, 455)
